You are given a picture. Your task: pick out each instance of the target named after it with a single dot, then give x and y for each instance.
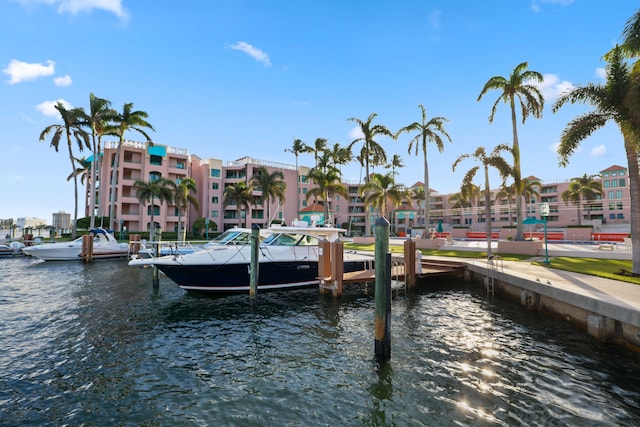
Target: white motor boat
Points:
(288, 258)
(104, 246)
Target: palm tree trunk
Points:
(75, 189)
(487, 209)
(517, 181)
(112, 193)
(634, 192)
(426, 191)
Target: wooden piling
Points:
(337, 267)
(87, 248)
(255, 263)
(134, 244)
(410, 263)
(382, 291)
(324, 264)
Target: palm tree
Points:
(495, 160)
(518, 85)
(371, 152)
(100, 114)
(431, 130)
(150, 191)
(319, 145)
(340, 156)
(582, 188)
(183, 198)
(529, 190)
(612, 103)
(460, 201)
(396, 162)
(72, 127)
(381, 191)
(296, 149)
(327, 184)
(128, 120)
(241, 195)
(506, 192)
(272, 185)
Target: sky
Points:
(227, 79)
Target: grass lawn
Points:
(607, 268)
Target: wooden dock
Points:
(405, 270)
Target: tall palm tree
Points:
(183, 198)
(495, 160)
(150, 191)
(128, 120)
(319, 145)
(340, 156)
(582, 188)
(611, 103)
(296, 149)
(520, 85)
(272, 185)
(241, 195)
(431, 130)
(506, 192)
(380, 191)
(371, 152)
(327, 184)
(73, 120)
(396, 162)
(100, 114)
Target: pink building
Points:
(139, 161)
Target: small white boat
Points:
(12, 249)
(104, 246)
(288, 259)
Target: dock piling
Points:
(382, 291)
(254, 272)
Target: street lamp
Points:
(544, 212)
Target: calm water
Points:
(95, 345)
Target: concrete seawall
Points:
(609, 310)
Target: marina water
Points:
(96, 345)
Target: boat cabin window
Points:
(285, 239)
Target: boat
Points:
(12, 249)
(288, 258)
(104, 246)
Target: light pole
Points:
(544, 212)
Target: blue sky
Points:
(233, 78)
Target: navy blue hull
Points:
(231, 278)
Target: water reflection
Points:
(97, 345)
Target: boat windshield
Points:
(234, 237)
(291, 239)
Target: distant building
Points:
(61, 220)
(30, 222)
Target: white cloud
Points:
(254, 52)
(48, 108)
(356, 133)
(552, 87)
(601, 72)
(20, 71)
(75, 7)
(434, 19)
(536, 7)
(62, 81)
(599, 151)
